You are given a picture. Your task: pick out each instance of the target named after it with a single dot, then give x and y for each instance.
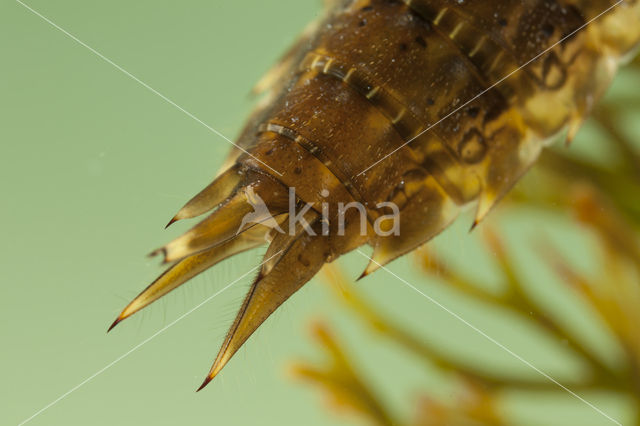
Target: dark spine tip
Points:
(116, 322)
(205, 383)
(364, 274)
(171, 222)
(161, 251)
(157, 252)
(474, 225)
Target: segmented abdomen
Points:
(426, 105)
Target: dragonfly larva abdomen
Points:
(387, 117)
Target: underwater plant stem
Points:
(606, 117)
(387, 328)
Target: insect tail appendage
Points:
(299, 259)
(191, 266)
(212, 196)
(221, 235)
(227, 221)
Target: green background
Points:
(93, 165)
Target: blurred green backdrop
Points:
(93, 165)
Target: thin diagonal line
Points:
(494, 341)
(494, 85)
(139, 345)
(144, 84)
